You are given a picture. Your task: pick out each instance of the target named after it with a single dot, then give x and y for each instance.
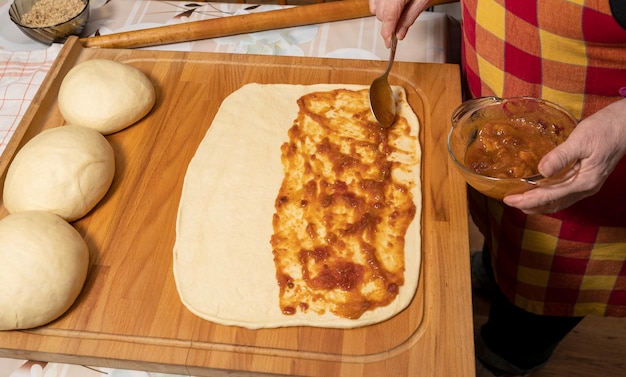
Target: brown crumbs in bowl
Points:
(51, 12)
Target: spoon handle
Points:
(392, 53)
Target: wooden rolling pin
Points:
(241, 24)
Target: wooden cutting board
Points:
(129, 314)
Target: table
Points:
(446, 273)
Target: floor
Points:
(596, 347)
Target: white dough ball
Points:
(105, 95)
(65, 170)
(43, 266)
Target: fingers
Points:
(534, 201)
(565, 184)
(408, 17)
(390, 14)
(556, 160)
(387, 31)
(540, 205)
(397, 16)
(373, 6)
(552, 198)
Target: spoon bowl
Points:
(382, 101)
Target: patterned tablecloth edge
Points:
(30, 368)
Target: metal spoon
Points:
(382, 101)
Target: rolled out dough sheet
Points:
(223, 263)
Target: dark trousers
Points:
(524, 339)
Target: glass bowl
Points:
(472, 115)
(50, 34)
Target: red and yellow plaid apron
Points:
(572, 52)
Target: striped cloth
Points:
(21, 75)
(572, 52)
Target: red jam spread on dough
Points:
(341, 217)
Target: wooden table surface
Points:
(129, 314)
